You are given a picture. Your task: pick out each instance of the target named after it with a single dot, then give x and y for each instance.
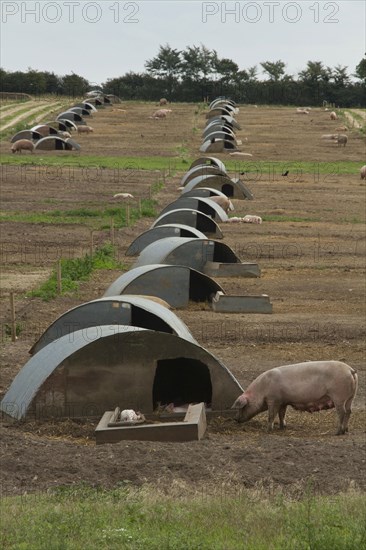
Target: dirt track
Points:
(313, 270)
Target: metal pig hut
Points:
(162, 232)
(175, 284)
(193, 218)
(138, 311)
(120, 366)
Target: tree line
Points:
(198, 73)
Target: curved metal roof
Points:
(202, 204)
(45, 129)
(117, 365)
(69, 115)
(193, 218)
(175, 284)
(212, 128)
(208, 161)
(208, 178)
(87, 105)
(228, 119)
(222, 99)
(58, 124)
(201, 170)
(202, 192)
(80, 111)
(114, 310)
(161, 232)
(26, 134)
(218, 111)
(217, 145)
(51, 143)
(231, 188)
(219, 134)
(193, 253)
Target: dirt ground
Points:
(312, 267)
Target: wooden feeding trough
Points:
(192, 428)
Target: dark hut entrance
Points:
(181, 381)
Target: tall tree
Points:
(226, 69)
(74, 85)
(198, 62)
(361, 70)
(340, 76)
(274, 69)
(167, 65)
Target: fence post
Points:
(12, 317)
(91, 243)
(59, 277)
(112, 231)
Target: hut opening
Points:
(181, 381)
(228, 189)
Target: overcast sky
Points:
(106, 39)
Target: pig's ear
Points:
(240, 402)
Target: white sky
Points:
(106, 39)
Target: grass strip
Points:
(258, 169)
(140, 519)
(76, 270)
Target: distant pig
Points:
(310, 387)
(22, 145)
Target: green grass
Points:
(74, 271)
(177, 163)
(25, 123)
(96, 218)
(146, 519)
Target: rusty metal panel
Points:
(162, 232)
(193, 218)
(44, 130)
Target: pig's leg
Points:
(273, 409)
(281, 416)
(341, 418)
(348, 408)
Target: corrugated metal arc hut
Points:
(114, 310)
(128, 367)
(175, 284)
(162, 232)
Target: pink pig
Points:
(310, 386)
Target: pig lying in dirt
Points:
(310, 387)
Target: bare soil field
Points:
(312, 260)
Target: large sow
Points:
(310, 386)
